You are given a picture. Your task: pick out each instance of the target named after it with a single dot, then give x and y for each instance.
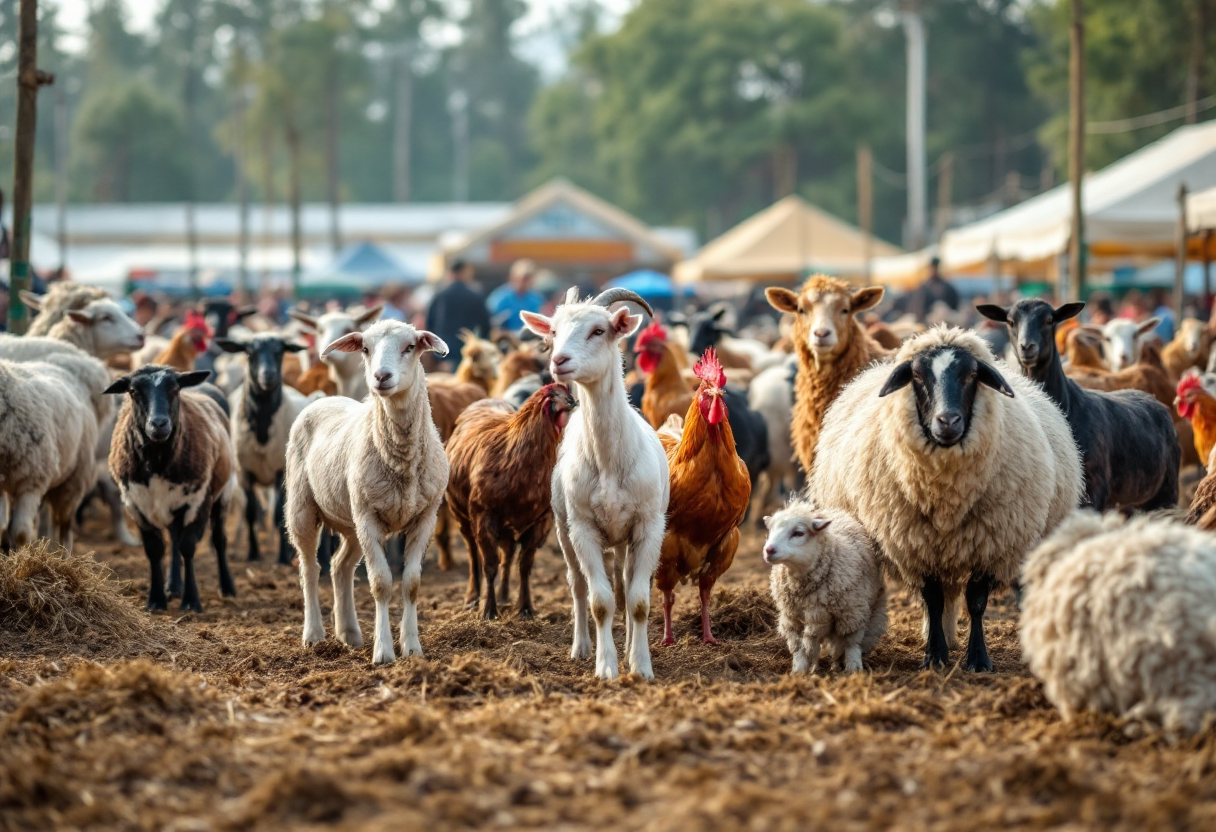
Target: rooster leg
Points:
(707, 637)
(669, 598)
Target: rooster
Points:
(188, 343)
(710, 490)
(1196, 403)
(666, 392)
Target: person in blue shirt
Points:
(515, 296)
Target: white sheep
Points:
(1119, 616)
(771, 394)
(956, 465)
(1122, 340)
(345, 370)
(100, 328)
(368, 470)
(827, 584)
(610, 485)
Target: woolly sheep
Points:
(1118, 616)
(827, 584)
(956, 466)
(368, 470)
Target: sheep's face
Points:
(1122, 340)
(114, 332)
(584, 339)
(1032, 328)
(154, 392)
(264, 356)
(1191, 335)
(390, 352)
(332, 326)
(945, 380)
(793, 539)
(822, 311)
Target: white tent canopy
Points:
(1201, 210)
(1131, 207)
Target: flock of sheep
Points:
(933, 464)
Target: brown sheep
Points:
(832, 348)
(1189, 348)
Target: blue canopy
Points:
(647, 283)
(368, 262)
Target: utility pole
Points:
(458, 106)
(403, 123)
(332, 174)
(914, 29)
(242, 172)
(1180, 255)
(865, 205)
(1076, 151)
(61, 173)
(29, 79)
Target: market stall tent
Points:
(784, 243)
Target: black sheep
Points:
(1129, 447)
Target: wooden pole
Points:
(1180, 255)
(293, 184)
(1076, 154)
(865, 204)
(29, 79)
(945, 194)
(61, 174)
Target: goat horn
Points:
(611, 296)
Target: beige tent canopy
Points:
(781, 244)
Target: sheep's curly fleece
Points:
(976, 507)
(1120, 616)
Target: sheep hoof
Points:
(580, 650)
(351, 638)
(384, 656)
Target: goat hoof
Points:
(978, 663)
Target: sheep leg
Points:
(305, 536)
(936, 651)
(113, 499)
(810, 651)
(486, 529)
(219, 542)
(443, 537)
(793, 640)
(641, 562)
(251, 520)
(173, 587)
(416, 542)
(380, 577)
(581, 647)
(852, 651)
(342, 574)
(977, 601)
(24, 522)
(473, 593)
(154, 549)
(184, 539)
(529, 542)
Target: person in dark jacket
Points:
(457, 306)
(919, 302)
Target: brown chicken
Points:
(666, 393)
(1198, 405)
(710, 490)
(188, 343)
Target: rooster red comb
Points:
(1190, 381)
(196, 321)
(650, 334)
(709, 370)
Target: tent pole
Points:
(1180, 256)
(1076, 155)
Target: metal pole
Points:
(914, 29)
(29, 79)
(1076, 155)
(1180, 255)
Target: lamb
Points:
(368, 470)
(956, 466)
(1127, 439)
(344, 368)
(610, 485)
(499, 490)
(827, 584)
(832, 348)
(174, 465)
(1117, 616)
(1188, 350)
(263, 410)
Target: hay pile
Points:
(52, 600)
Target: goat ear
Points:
(370, 315)
(819, 524)
(31, 299)
(867, 298)
(351, 342)
(193, 379)
(292, 346)
(1148, 326)
(1068, 310)
(783, 300)
(537, 323)
(989, 377)
(431, 341)
(718, 314)
(308, 320)
(121, 385)
(624, 323)
(900, 378)
(80, 316)
(993, 312)
(228, 345)
(571, 295)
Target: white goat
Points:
(1122, 340)
(610, 485)
(344, 369)
(368, 470)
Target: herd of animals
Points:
(904, 455)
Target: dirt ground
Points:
(224, 721)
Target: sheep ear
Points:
(867, 298)
(193, 379)
(80, 316)
(537, 323)
(228, 345)
(989, 377)
(351, 342)
(292, 346)
(783, 300)
(370, 315)
(1148, 326)
(1067, 310)
(308, 320)
(900, 378)
(993, 312)
(431, 341)
(624, 323)
(31, 299)
(118, 386)
(819, 524)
